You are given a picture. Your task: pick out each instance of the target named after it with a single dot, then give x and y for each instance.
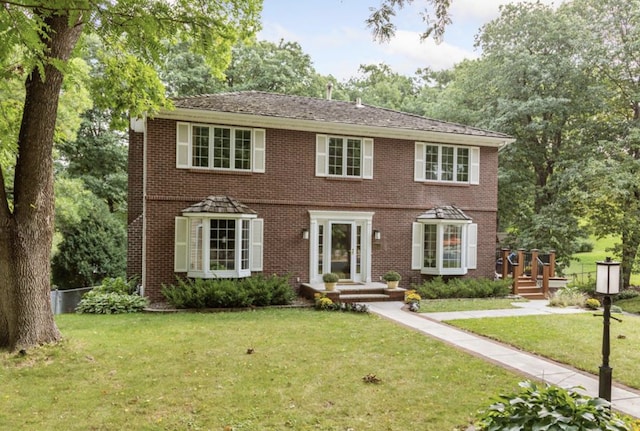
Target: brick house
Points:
(231, 184)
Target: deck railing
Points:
(522, 265)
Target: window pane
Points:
(195, 253)
(200, 147)
(243, 149)
(430, 245)
(452, 247)
(221, 148)
(462, 167)
(354, 149)
(244, 253)
(431, 162)
(335, 156)
(222, 245)
(447, 163)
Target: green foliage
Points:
(324, 303)
(330, 277)
(118, 285)
(549, 408)
(392, 276)
(585, 286)
(438, 288)
(92, 249)
(229, 293)
(97, 302)
(626, 294)
(592, 303)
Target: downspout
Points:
(144, 206)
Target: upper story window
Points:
(220, 147)
(347, 157)
(447, 163)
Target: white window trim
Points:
(469, 247)
(184, 147)
(420, 163)
(182, 252)
(322, 156)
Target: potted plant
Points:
(330, 280)
(392, 278)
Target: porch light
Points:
(305, 233)
(376, 235)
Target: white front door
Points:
(340, 243)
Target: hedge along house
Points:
(233, 184)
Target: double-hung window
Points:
(207, 146)
(447, 163)
(344, 157)
(208, 246)
(444, 247)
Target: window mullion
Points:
(238, 247)
(206, 246)
(232, 148)
(439, 164)
(455, 164)
(345, 157)
(439, 247)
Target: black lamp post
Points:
(607, 284)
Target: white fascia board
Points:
(251, 120)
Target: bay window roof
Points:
(449, 212)
(219, 205)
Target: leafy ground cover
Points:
(263, 370)
(571, 339)
(445, 305)
(629, 305)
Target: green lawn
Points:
(571, 339)
(465, 304)
(192, 371)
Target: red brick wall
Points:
(289, 188)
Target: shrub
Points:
(627, 294)
(392, 276)
(97, 302)
(229, 293)
(569, 296)
(113, 296)
(330, 277)
(549, 408)
(592, 303)
(438, 288)
(588, 286)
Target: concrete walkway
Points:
(624, 400)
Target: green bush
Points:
(256, 291)
(549, 408)
(113, 296)
(626, 294)
(97, 302)
(438, 288)
(588, 286)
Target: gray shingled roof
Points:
(219, 205)
(444, 213)
(322, 110)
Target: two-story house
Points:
(231, 184)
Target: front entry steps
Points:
(354, 292)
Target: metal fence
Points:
(66, 301)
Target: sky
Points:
(334, 34)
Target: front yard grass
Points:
(466, 304)
(571, 339)
(262, 370)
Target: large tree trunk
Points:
(26, 230)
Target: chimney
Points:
(329, 88)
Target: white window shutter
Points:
(419, 167)
(367, 158)
(322, 144)
(183, 145)
(416, 249)
(259, 150)
(474, 165)
(472, 246)
(181, 245)
(256, 251)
